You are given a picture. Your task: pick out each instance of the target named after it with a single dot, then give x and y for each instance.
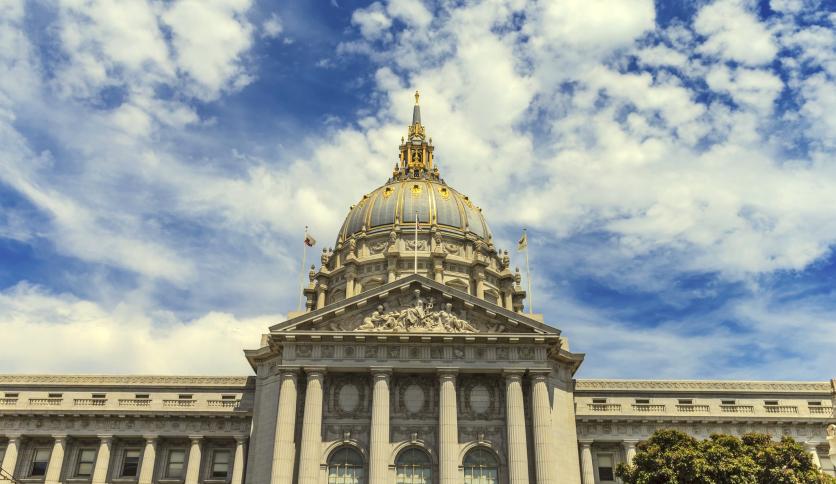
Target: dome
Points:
(396, 203)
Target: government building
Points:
(413, 362)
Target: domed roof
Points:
(397, 202)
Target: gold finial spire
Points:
(417, 95)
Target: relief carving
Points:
(419, 318)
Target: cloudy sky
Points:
(673, 162)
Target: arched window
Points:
(413, 467)
(480, 467)
(345, 466)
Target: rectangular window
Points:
(56, 395)
(84, 467)
(227, 397)
(220, 464)
(686, 401)
(605, 467)
(184, 396)
(99, 396)
(642, 401)
(175, 464)
(142, 396)
(728, 402)
(11, 395)
(130, 463)
(40, 459)
(770, 402)
(599, 400)
(814, 404)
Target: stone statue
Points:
(352, 246)
(506, 260)
(831, 430)
(325, 257)
(418, 318)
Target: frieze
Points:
(641, 430)
(125, 425)
(413, 352)
(703, 386)
(118, 380)
(418, 318)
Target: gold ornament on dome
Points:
(444, 192)
(416, 190)
(387, 192)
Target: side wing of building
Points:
(76, 428)
(614, 415)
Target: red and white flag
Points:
(309, 240)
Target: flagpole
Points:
(416, 242)
(528, 276)
(302, 271)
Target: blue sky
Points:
(673, 162)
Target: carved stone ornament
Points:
(378, 246)
(831, 430)
(416, 319)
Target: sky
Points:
(673, 163)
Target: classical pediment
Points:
(414, 304)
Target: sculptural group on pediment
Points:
(418, 318)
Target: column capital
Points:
(13, 437)
(539, 374)
(629, 443)
(150, 438)
(513, 374)
(59, 437)
(811, 446)
(315, 372)
(105, 437)
(381, 370)
(241, 439)
(586, 443)
(448, 374)
(195, 438)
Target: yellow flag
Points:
(523, 242)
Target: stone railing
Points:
(89, 402)
(45, 402)
(737, 408)
(224, 403)
(134, 402)
(8, 402)
(792, 409)
(691, 408)
(648, 407)
(604, 407)
(179, 403)
(826, 411)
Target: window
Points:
(814, 403)
(605, 466)
(99, 396)
(770, 402)
(220, 464)
(130, 463)
(11, 395)
(413, 467)
(40, 460)
(184, 396)
(227, 397)
(174, 464)
(56, 395)
(686, 401)
(142, 396)
(642, 401)
(728, 402)
(84, 466)
(345, 466)
(480, 467)
(599, 400)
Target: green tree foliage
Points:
(673, 457)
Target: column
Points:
(814, 454)
(284, 449)
(238, 462)
(515, 421)
(193, 466)
(146, 471)
(379, 442)
(311, 428)
(509, 299)
(10, 458)
(56, 460)
(831, 439)
(587, 472)
(542, 426)
(320, 295)
(448, 429)
(630, 450)
(102, 460)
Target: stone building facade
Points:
(413, 362)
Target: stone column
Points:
(448, 429)
(284, 449)
(10, 458)
(379, 441)
(542, 429)
(629, 450)
(238, 462)
(587, 471)
(814, 454)
(146, 472)
(509, 299)
(56, 460)
(311, 428)
(515, 421)
(320, 295)
(193, 466)
(102, 460)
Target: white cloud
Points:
(373, 20)
(734, 33)
(272, 27)
(59, 333)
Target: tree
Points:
(673, 457)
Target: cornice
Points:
(703, 386)
(127, 380)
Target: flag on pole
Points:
(309, 240)
(522, 244)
